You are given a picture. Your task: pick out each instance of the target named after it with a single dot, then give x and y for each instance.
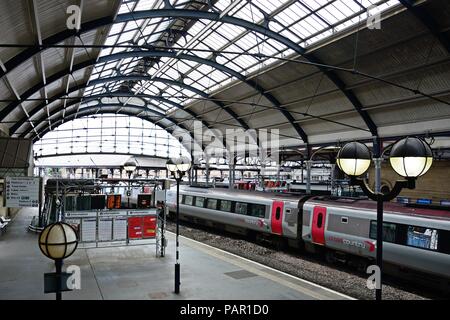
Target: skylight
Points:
(301, 21)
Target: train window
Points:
(320, 220)
(188, 200)
(421, 237)
(389, 231)
(278, 213)
(200, 202)
(211, 204)
(444, 241)
(257, 210)
(225, 205)
(241, 208)
(344, 219)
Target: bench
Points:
(3, 224)
(4, 220)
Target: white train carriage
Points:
(416, 238)
(239, 211)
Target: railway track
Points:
(339, 277)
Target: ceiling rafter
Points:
(122, 94)
(34, 11)
(428, 21)
(174, 13)
(17, 97)
(38, 108)
(5, 111)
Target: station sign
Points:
(21, 192)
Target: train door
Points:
(277, 217)
(318, 225)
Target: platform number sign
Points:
(21, 192)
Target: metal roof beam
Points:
(16, 94)
(55, 77)
(35, 22)
(175, 83)
(123, 55)
(121, 94)
(173, 13)
(38, 108)
(428, 21)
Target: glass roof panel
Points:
(304, 22)
(113, 134)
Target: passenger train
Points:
(416, 240)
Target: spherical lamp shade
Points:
(171, 166)
(183, 164)
(411, 157)
(129, 166)
(58, 241)
(354, 159)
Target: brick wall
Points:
(435, 184)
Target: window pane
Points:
(241, 208)
(389, 230)
(225, 205)
(258, 210)
(212, 204)
(199, 202)
(422, 237)
(188, 200)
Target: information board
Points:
(105, 229)
(21, 192)
(120, 229)
(88, 230)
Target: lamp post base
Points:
(58, 265)
(177, 278)
(379, 253)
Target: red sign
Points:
(149, 227)
(135, 228)
(148, 189)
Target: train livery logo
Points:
(354, 243)
(261, 223)
(371, 245)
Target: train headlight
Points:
(411, 157)
(354, 159)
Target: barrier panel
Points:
(108, 228)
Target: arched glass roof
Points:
(109, 133)
(303, 22)
(314, 70)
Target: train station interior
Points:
(221, 150)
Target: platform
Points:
(135, 273)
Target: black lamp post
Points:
(129, 167)
(57, 242)
(409, 157)
(178, 168)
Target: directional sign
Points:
(22, 192)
